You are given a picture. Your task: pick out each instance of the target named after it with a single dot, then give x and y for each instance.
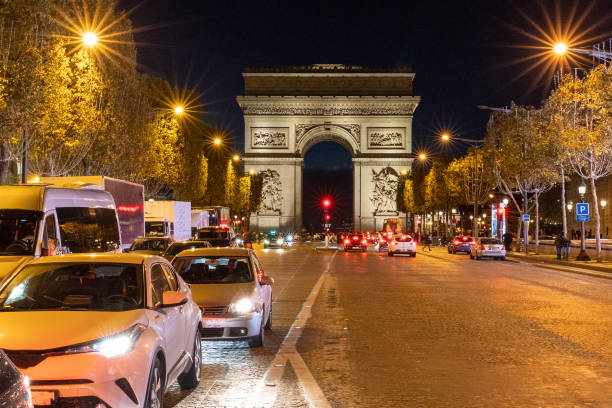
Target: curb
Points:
(566, 265)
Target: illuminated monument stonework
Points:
(287, 111)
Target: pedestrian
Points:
(427, 242)
(507, 238)
(566, 248)
(559, 244)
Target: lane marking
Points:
(267, 389)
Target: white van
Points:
(40, 220)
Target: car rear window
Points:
(178, 247)
(491, 241)
(404, 239)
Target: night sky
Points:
(464, 53)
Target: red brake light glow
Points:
(347, 241)
(457, 242)
(364, 241)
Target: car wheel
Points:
(191, 378)
(258, 341)
(268, 325)
(390, 253)
(155, 388)
(503, 258)
(414, 255)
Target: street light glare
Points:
(90, 39)
(422, 156)
(560, 48)
(445, 137)
(179, 110)
(236, 157)
(217, 141)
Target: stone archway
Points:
(287, 111)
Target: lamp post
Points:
(603, 208)
(582, 256)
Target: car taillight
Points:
(457, 242)
(364, 242)
(347, 241)
(355, 238)
(474, 242)
(482, 248)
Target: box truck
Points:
(199, 219)
(168, 219)
(128, 197)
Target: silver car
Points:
(488, 248)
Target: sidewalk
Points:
(550, 259)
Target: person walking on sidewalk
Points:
(567, 243)
(427, 242)
(507, 238)
(560, 244)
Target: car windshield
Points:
(214, 234)
(18, 232)
(181, 246)
(154, 228)
(490, 241)
(75, 286)
(214, 269)
(149, 245)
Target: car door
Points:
(265, 291)
(187, 313)
(170, 319)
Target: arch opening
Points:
(327, 173)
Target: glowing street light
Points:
(179, 110)
(236, 157)
(560, 48)
(445, 137)
(252, 172)
(603, 203)
(505, 201)
(217, 141)
(90, 39)
(422, 157)
(404, 172)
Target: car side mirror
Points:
(266, 280)
(172, 298)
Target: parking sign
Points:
(582, 212)
(526, 217)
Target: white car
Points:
(232, 290)
(402, 245)
(101, 330)
(488, 248)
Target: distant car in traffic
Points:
(274, 239)
(101, 331)
(14, 386)
(150, 245)
(461, 243)
(356, 240)
(177, 247)
(402, 245)
(488, 248)
(232, 291)
(217, 236)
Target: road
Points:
(435, 330)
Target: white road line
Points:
(267, 389)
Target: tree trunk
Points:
(597, 220)
(563, 205)
(537, 220)
(4, 163)
(526, 224)
(518, 233)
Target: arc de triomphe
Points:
(287, 111)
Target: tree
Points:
(255, 193)
(583, 107)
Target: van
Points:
(40, 220)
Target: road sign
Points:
(582, 218)
(526, 217)
(582, 209)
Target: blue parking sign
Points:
(582, 209)
(526, 217)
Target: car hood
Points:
(43, 330)
(8, 264)
(221, 294)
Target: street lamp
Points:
(90, 39)
(422, 156)
(236, 158)
(560, 48)
(404, 172)
(217, 141)
(505, 201)
(582, 256)
(445, 137)
(252, 172)
(179, 110)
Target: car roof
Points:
(190, 241)
(215, 252)
(132, 257)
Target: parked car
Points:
(105, 330)
(488, 248)
(177, 247)
(151, 245)
(14, 386)
(232, 290)
(403, 244)
(356, 240)
(217, 236)
(461, 243)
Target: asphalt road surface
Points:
(437, 330)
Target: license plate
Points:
(43, 397)
(213, 322)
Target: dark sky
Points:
(458, 49)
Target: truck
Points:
(128, 197)
(199, 219)
(165, 218)
(392, 224)
(218, 216)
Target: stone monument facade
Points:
(287, 111)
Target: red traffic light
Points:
(326, 203)
(500, 211)
(327, 217)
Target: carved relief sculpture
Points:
(337, 109)
(385, 191)
(270, 138)
(271, 193)
(385, 138)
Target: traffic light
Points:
(500, 211)
(326, 203)
(327, 217)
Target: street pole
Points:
(24, 159)
(582, 256)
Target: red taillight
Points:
(457, 242)
(355, 238)
(482, 248)
(347, 241)
(381, 241)
(364, 241)
(464, 238)
(473, 242)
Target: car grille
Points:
(213, 310)
(211, 331)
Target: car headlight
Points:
(111, 346)
(289, 238)
(242, 306)
(279, 241)
(266, 241)
(239, 241)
